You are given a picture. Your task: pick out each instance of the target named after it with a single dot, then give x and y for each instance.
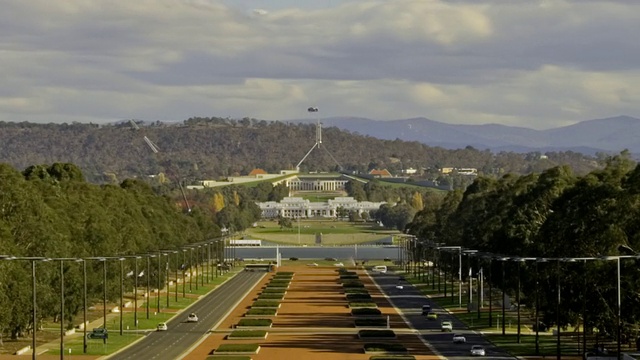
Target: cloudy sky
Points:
(532, 63)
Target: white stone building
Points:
(294, 207)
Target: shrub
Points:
(365, 311)
(384, 347)
(371, 322)
(255, 322)
(248, 334)
(262, 311)
(343, 278)
(356, 291)
(353, 284)
(265, 304)
(273, 291)
(353, 297)
(284, 273)
(238, 348)
(270, 297)
(293, 258)
(376, 334)
(362, 304)
(392, 357)
(228, 357)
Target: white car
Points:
(446, 326)
(192, 318)
(399, 287)
(459, 339)
(477, 350)
(162, 327)
(312, 264)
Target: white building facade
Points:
(294, 207)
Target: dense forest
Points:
(554, 214)
(213, 148)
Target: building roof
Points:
(381, 173)
(255, 172)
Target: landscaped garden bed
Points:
(237, 349)
(254, 323)
(372, 322)
(366, 312)
(356, 291)
(392, 357)
(384, 348)
(362, 304)
(247, 335)
(348, 277)
(274, 291)
(265, 304)
(262, 312)
(270, 297)
(358, 297)
(353, 284)
(228, 357)
(376, 334)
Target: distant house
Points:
(459, 171)
(380, 173)
(409, 171)
(257, 172)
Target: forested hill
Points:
(210, 148)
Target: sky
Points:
(533, 63)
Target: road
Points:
(408, 301)
(181, 336)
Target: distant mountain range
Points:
(610, 135)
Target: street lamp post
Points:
(34, 296)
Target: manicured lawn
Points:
(255, 322)
(238, 348)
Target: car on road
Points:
(426, 309)
(446, 326)
(312, 264)
(399, 287)
(192, 318)
(432, 316)
(477, 350)
(162, 327)
(459, 339)
(98, 333)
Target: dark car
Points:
(98, 333)
(426, 309)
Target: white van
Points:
(380, 268)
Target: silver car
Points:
(477, 350)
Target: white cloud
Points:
(519, 62)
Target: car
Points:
(399, 287)
(338, 264)
(459, 339)
(162, 327)
(432, 316)
(312, 264)
(192, 318)
(477, 350)
(426, 309)
(98, 333)
(446, 326)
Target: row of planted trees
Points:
(50, 215)
(550, 235)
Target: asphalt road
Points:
(181, 336)
(409, 303)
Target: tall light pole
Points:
(34, 305)
(459, 248)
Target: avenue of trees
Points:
(52, 212)
(553, 214)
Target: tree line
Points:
(50, 211)
(554, 214)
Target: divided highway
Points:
(181, 336)
(408, 301)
